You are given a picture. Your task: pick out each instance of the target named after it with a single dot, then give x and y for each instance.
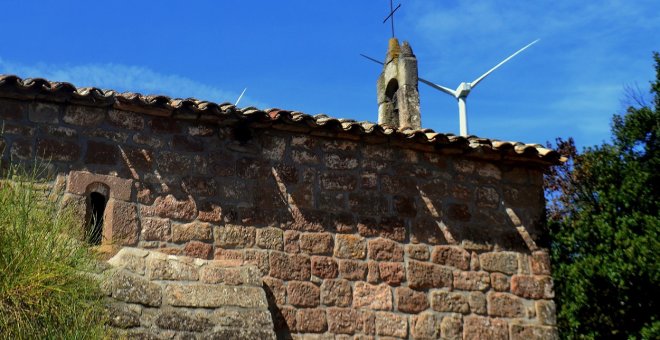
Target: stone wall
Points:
(355, 236)
(157, 296)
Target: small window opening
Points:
(97, 203)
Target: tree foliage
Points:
(605, 228)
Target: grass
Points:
(44, 291)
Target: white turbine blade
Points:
(241, 96)
(474, 83)
(372, 59)
(438, 87)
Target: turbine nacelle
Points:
(463, 90)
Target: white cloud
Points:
(126, 78)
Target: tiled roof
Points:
(40, 89)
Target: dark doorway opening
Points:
(97, 204)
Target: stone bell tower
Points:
(398, 96)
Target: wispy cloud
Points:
(122, 78)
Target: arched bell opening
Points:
(391, 94)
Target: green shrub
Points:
(44, 291)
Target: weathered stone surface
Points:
(500, 282)
(418, 252)
(350, 247)
(411, 301)
(371, 296)
(504, 262)
(41, 113)
(477, 328)
(275, 290)
(546, 312)
(393, 273)
(425, 326)
(84, 115)
(373, 275)
(336, 293)
(342, 320)
(120, 223)
(125, 119)
(233, 236)
(270, 238)
(162, 267)
(214, 272)
(505, 305)
(477, 301)
(213, 296)
(316, 243)
(78, 182)
(242, 318)
(195, 231)
(533, 332)
(353, 270)
(155, 229)
(258, 258)
(302, 294)
(123, 315)
(131, 259)
(451, 328)
(471, 280)
(292, 241)
(170, 207)
(382, 249)
(423, 275)
(390, 324)
(451, 256)
(444, 301)
(101, 153)
(324, 267)
(541, 263)
(532, 287)
(240, 334)
(311, 321)
(182, 320)
(58, 150)
(132, 288)
(289, 266)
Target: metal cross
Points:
(392, 10)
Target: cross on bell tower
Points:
(398, 95)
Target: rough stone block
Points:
(390, 324)
(500, 282)
(123, 315)
(162, 267)
(338, 182)
(101, 153)
(242, 318)
(541, 263)
(451, 328)
(371, 296)
(477, 328)
(120, 223)
(505, 305)
(546, 312)
(79, 183)
(156, 229)
(234, 236)
(423, 275)
(302, 294)
(290, 266)
(477, 301)
(471, 280)
(84, 115)
(342, 320)
(195, 231)
(418, 252)
(133, 289)
(270, 238)
(425, 326)
(444, 301)
(311, 321)
(131, 259)
(170, 207)
(41, 113)
(533, 332)
(336, 293)
(324, 267)
(532, 287)
(393, 273)
(214, 272)
(353, 270)
(58, 150)
(214, 296)
(183, 320)
(316, 243)
(382, 249)
(451, 256)
(504, 262)
(292, 241)
(350, 247)
(411, 301)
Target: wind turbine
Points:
(464, 89)
(241, 96)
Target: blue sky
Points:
(304, 55)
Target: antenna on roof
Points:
(241, 96)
